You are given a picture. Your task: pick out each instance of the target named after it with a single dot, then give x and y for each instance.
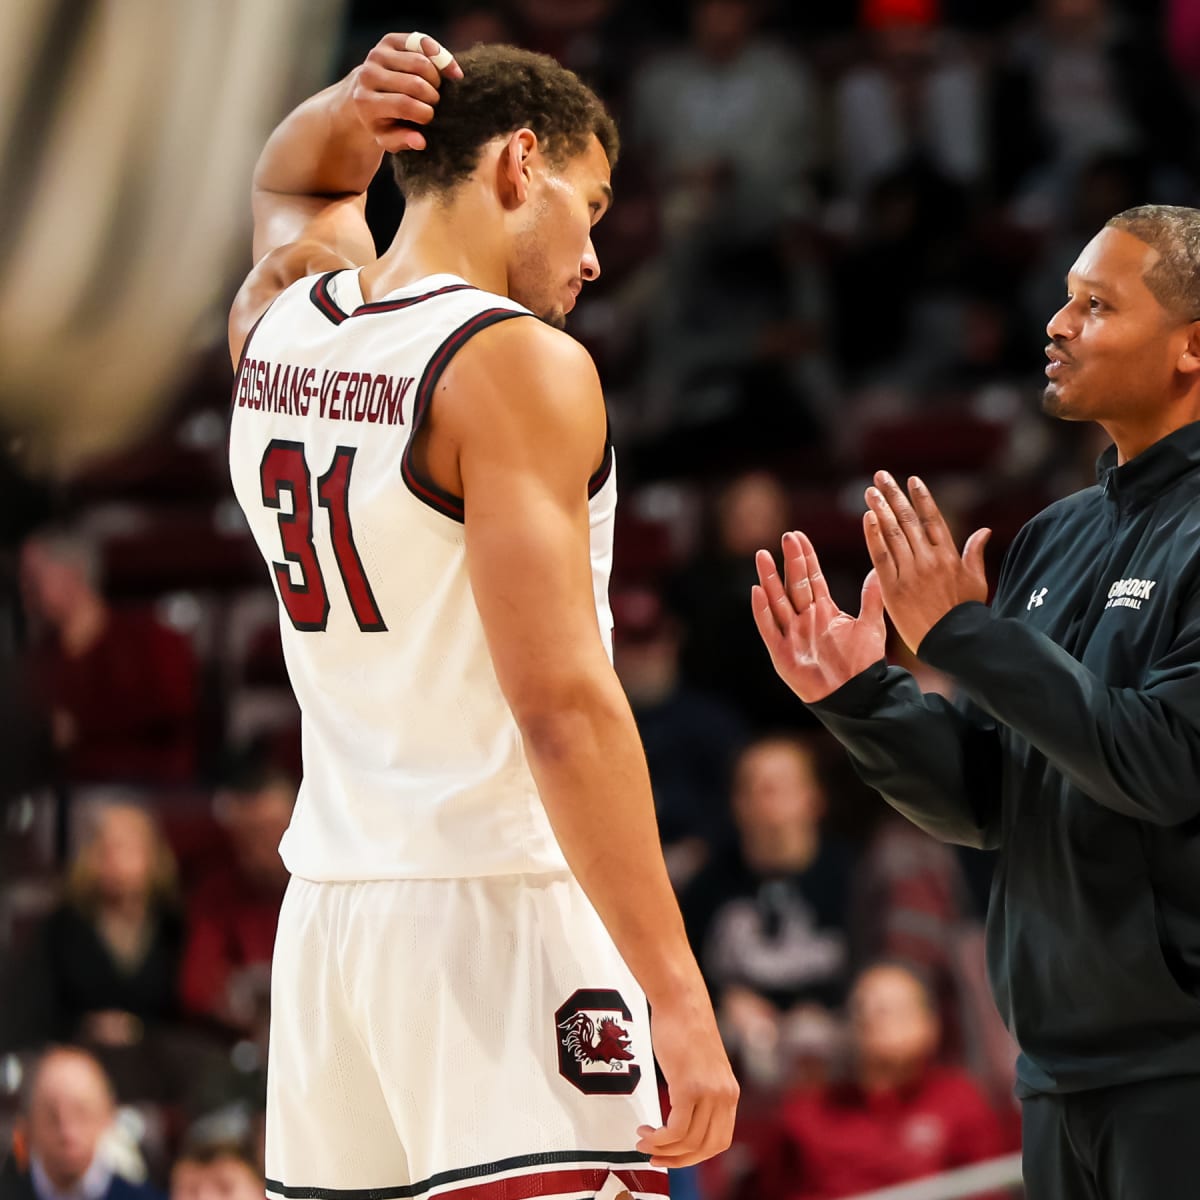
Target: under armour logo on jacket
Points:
(1036, 600)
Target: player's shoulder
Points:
(524, 355)
(523, 379)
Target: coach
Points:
(1076, 748)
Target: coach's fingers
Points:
(972, 554)
(764, 621)
(878, 548)
(908, 524)
(816, 577)
(771, 583)
(896, 540)
(937, 532)
(797, 584)
(870, 611)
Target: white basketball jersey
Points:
(413, 763)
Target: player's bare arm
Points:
(519, 425)
(310, 183)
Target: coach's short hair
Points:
(1174, 232)
(503, 89)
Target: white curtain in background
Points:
(128, 133)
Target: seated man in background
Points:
(896, 1117)
(116, 686)
(234, 910)
(767, 916)
(67, 1111)
(219, 1170)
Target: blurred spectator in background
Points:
(104, 968)
(896, 1117)
(726, 127)
(728, 123)
(691, 739)
(1182, 35)
(912, 232)
(767, 917)
(472, 24)
(918, 98)
(720, 654)
(65, 1135)
(223, 1170)
(233, 912)
(1084, 80)
(117, 687)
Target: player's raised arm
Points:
(523, 405)
(310, 183)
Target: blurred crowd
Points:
(840, 229)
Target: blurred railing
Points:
(992, 1176)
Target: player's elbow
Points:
(562, 723)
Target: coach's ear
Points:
(515, 168)
(1189, 360)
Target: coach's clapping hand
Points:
(397, 87)
(920, 571)
(814, 645)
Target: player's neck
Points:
(463, 237)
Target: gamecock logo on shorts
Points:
(593, 1043)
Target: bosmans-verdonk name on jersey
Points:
(266, 386)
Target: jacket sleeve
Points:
(936, 763)
(1135, 751)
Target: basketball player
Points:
(479, 908)
(1075, 747)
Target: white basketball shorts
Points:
(473, 1039)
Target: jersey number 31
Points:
(285, 469)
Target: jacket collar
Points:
(1153, 471)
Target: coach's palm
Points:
(814, 646)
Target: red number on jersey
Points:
(333, 493)
(284, 469)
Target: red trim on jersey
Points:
(554, 1183)
(448, 504)
(378, 306)
(324, 301)
(602, 472)
(321, 297)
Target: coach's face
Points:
(553, 251)
(1114, 349)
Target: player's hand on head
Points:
(398, 87)
(921, 573)
(700, 1083)
(814, 646)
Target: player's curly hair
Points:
(503, 89)
(1174, 232)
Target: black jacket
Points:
(1076, 752)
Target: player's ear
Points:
(516, 167)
